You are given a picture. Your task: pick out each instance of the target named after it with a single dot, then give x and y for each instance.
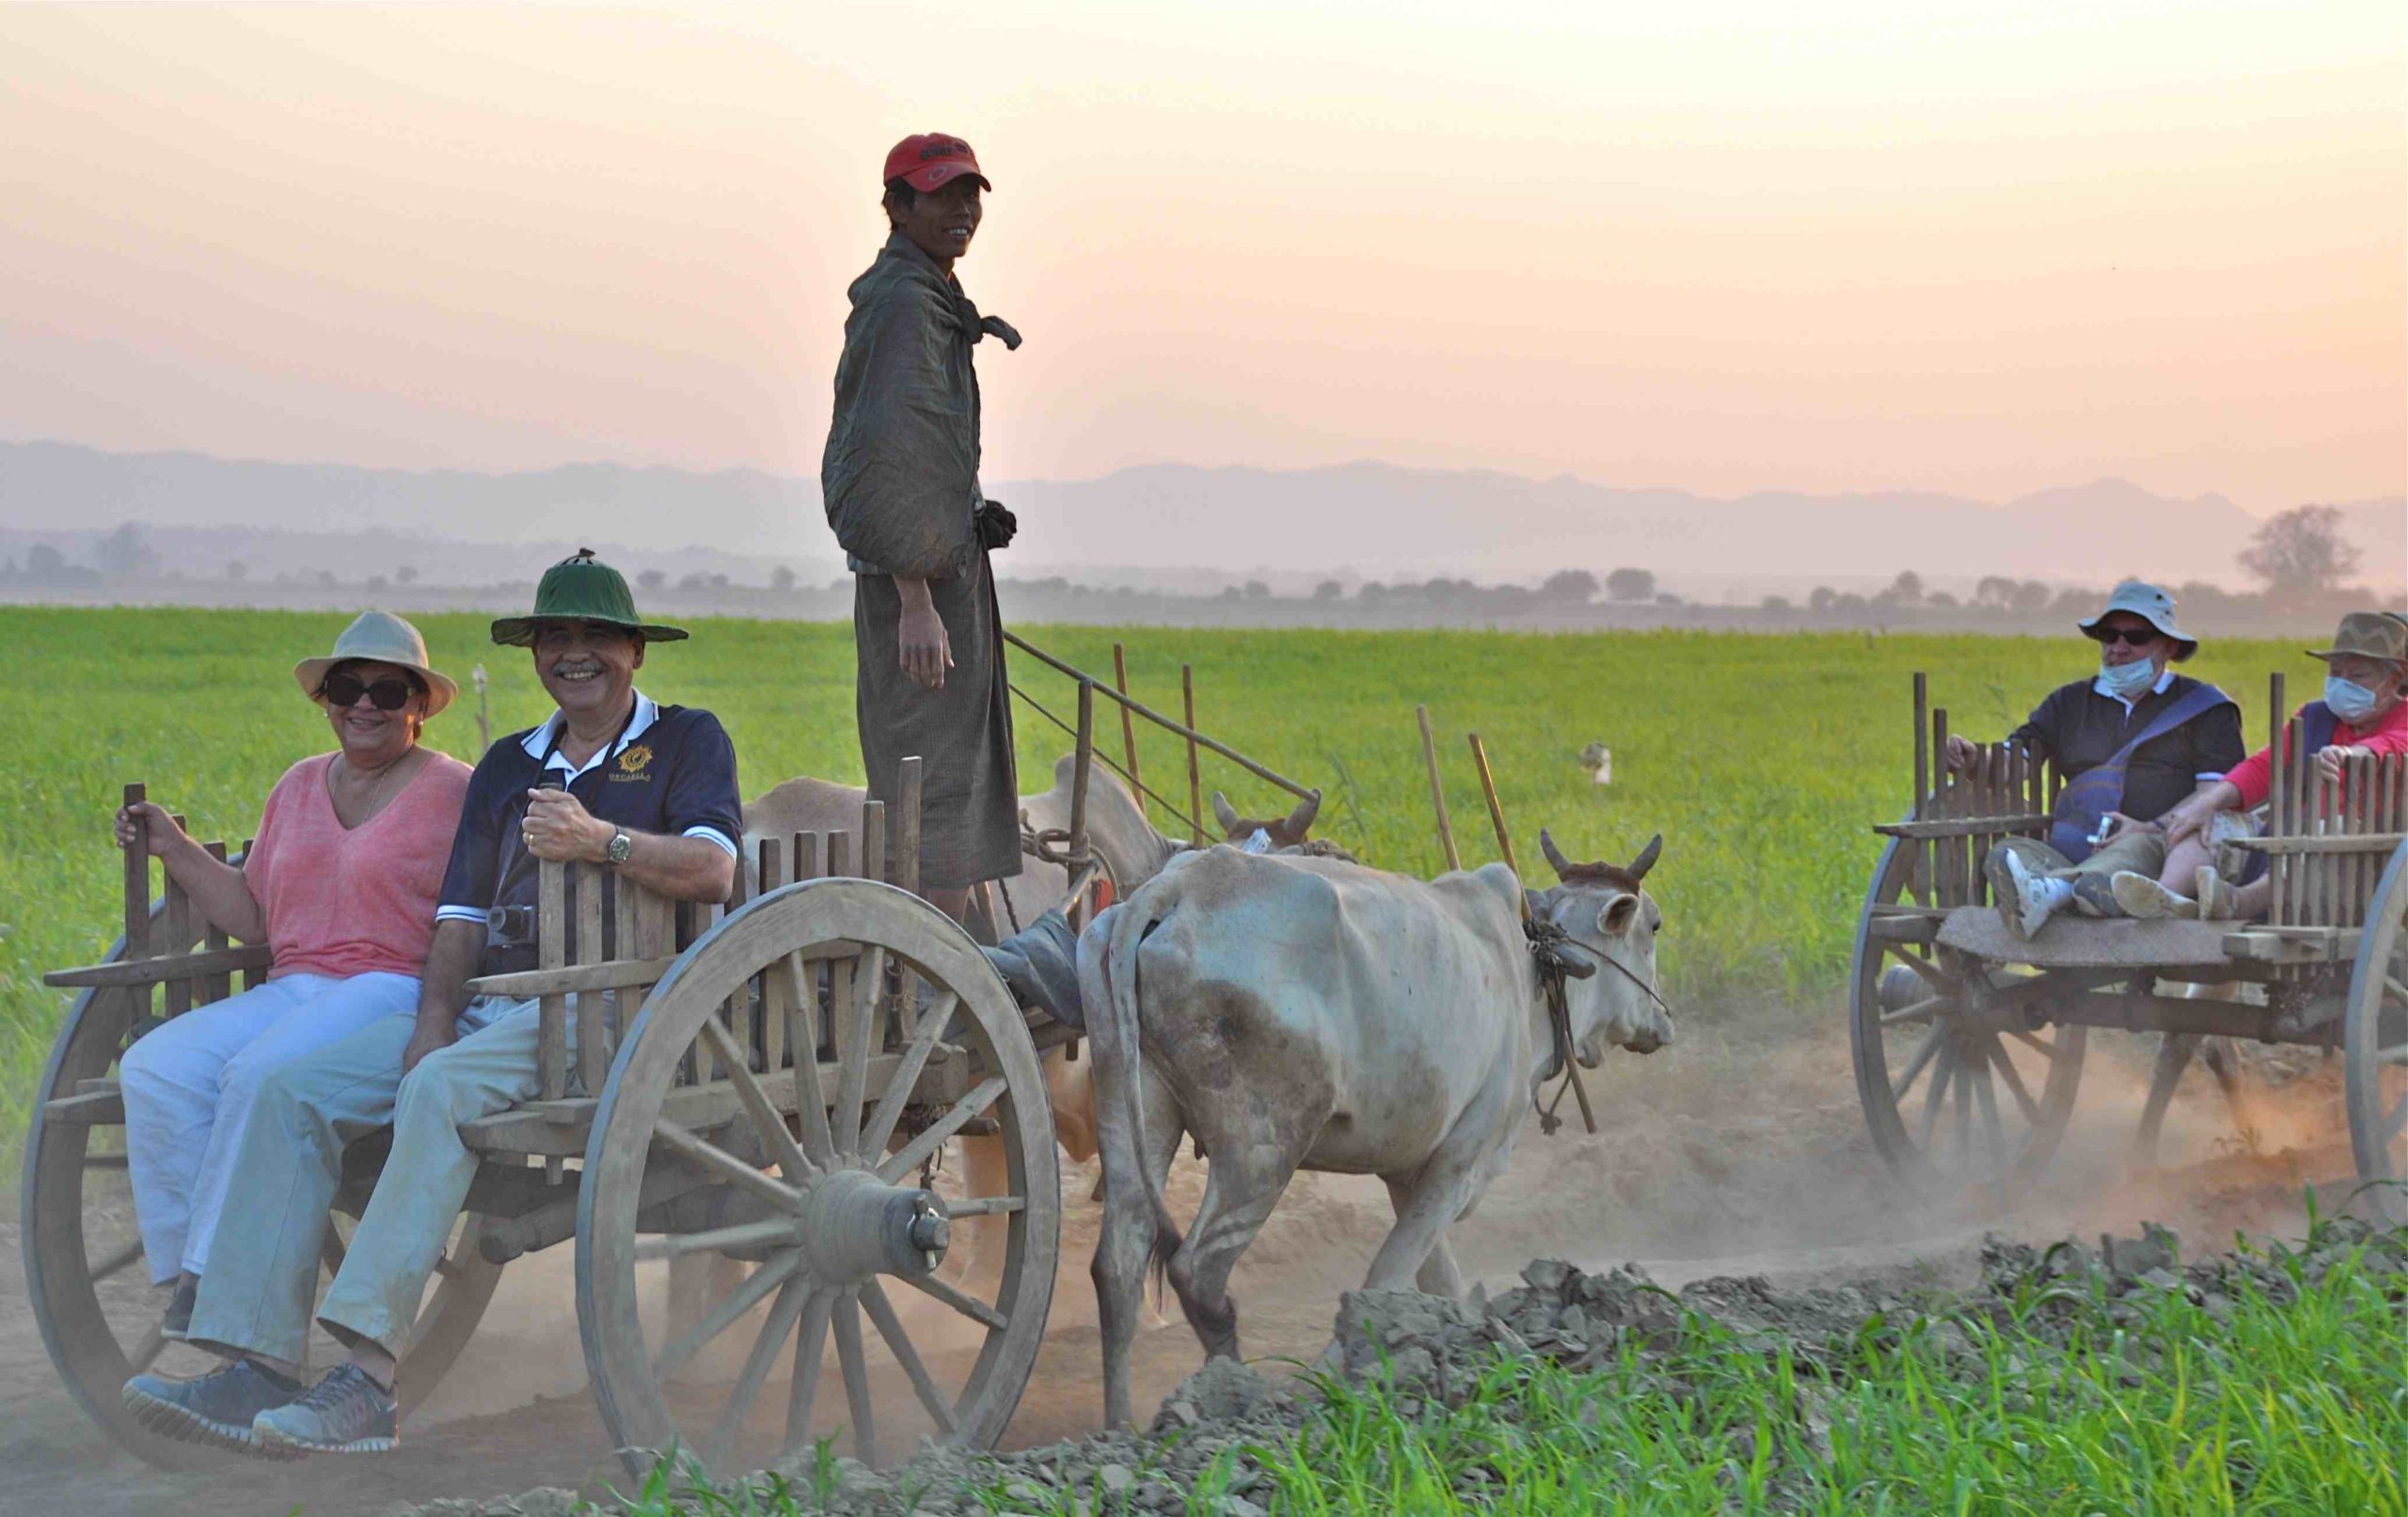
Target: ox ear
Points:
(1224, 812)
(1615, 919)
(1647, 857)
(1300, 821)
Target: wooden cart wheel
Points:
(826, 1204)
(85, 1275)
(2374, 1043)
(1952, 1098)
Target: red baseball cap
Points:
(927, 159)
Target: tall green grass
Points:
(1760, 757)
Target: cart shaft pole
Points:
(1437, 791)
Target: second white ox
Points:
(1303, 1013)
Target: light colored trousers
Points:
(189, 1085)
(262, 1277)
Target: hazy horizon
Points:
(1981, 249)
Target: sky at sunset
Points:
(1723, 246)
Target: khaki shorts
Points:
(2143, 853)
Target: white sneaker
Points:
(2022, 905)
(2146, 900)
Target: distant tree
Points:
(1372, 591)
(406, 573)
(1905, 591)
(1941, 600)
(782, 580)
(1823, 599)
(2031, 597)
(651, 579)
(1775, 605)
(1257, 590)
(1631, 584)
(1575, 585)
(238, 571)
(1995, 592)
(377, 581)
(327, 578)
(1229, 593)
(2301, 553)
(125, 552)
(1666, 597)
(694, 581)
(1329, 590)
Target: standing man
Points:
(900, 477)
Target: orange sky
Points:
(1978, 247)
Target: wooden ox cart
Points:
(764, 1090)
(1969, 1043)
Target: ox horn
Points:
(1300, 821)
(1647, 857)
(1225, 814)
(1554, 855)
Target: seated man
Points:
(611, 778)
(2131, 742)
(2364, 712)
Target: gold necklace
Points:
(383, 774)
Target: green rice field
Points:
(1761, 758)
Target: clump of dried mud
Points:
(1426, 1350)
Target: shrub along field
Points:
(1760, 757)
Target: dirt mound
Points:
(1427, 1349)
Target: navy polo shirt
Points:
(671, 771)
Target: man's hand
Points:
(426, 1038)
(920, 636)
(2130, 824)
(558, 826)
(1961, 753)
(2330, 759)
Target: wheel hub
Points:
(853, 1225)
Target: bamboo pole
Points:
(1496, 808)
(1194, 770)
(1186, 730)
(1437, 791)
(137, 878)
(1128, 726)
(1082, 768)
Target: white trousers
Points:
(189, 1087)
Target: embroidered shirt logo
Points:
(632, 762)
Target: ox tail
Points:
(1119, 1020)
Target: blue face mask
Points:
(2351, 702)
(2128, 681)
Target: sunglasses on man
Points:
(390, 694)
(2128, 637)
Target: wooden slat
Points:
(2293, 945)
(592, 1060)
(2003, 822)
(771, 866)
(215, 986)
(177, 915)
(141, 971)
(1195, 767)
(87, 1107)
(908, 789)
(1128, 728)
(2360, 843)
(877, 861)
(138, 878)
(1923, 745)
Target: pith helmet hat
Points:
(581, 588)
(386, 638)
(2369, 634)
(2153, 604)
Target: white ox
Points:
(1297, 1012)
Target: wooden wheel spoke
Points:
(1932, 1043)
(1935, 1096)
(986, 1205)
(1987, 1100)
(710, 1156)
(810, 1349)
(2006, 1072)
(852, 1073)
(767, 1120)
(2395, 989)
(449, 1266)
(855, 1365)
(146, 1352)
(741, 1235)
(117, 1262)
(969, 1306)
(818, 1143)
(2034, 1042)
(880, 1126)
(747, 1295)
(958, 1117)
(2397, 1053)
(1964, 1125)
(792, 1297)
(1919, 1011)
(1931, 974)
(889, 1327)
(2395, 1120)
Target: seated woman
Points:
(340, 884)
(2365, 711)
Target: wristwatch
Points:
(621, 848)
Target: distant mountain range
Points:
(1180, 526)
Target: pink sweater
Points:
(360, 901)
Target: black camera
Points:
(510, 927)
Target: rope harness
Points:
(1553, 948)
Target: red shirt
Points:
(2255, 778)
(341, 901)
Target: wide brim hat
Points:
(382, 638)
(2152, 604)
(2369, 634)
(581, 588)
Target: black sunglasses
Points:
(2127, 635)
(390, 694)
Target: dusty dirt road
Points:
(1741, 1151)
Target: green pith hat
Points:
(581, 588)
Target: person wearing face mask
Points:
(2131, 742)
(2364, 712)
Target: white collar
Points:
(2165, 683)
(539, 742)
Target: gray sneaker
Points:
(216, 1409)
(2094, 896)
(346, 1413)
(2016, 891)
(2145, 900)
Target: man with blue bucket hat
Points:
(2131, 742)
